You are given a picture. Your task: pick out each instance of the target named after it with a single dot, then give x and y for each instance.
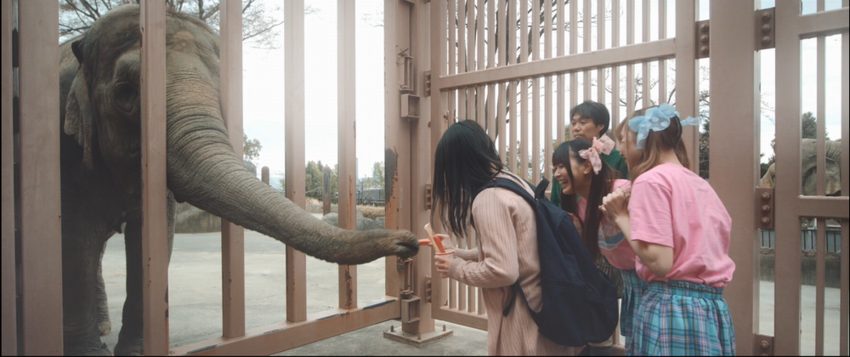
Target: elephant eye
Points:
(126, 96)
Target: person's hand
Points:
(443, 264)
(616, 204)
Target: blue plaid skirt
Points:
(633, 288)
(684, 319)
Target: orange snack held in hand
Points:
(435, 242)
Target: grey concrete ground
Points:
(195, 300)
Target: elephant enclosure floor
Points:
(195, 300)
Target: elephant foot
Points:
(131, 346)
(105, 326)
(102, 350)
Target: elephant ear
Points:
(79, 121)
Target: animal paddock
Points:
(422, 98)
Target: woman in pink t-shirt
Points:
(584, 177)
(679, 230)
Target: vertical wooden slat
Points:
(346, 111)
(845, 188)
(502, 24)
(512, 87)
(10, 327)
(461, 58)
(535, 95)
(788, 130)
(453, 60)
(523, 90)
(296, 262)
(501, 119)
(232, 236)
(154, 223)
(600, 37)
(470, 54)
(586, 36)
(820, 284)
(662, 64)
(40, 230)
(645, 72)
(562, 110)
(547, 119)
(630, 68)
(820, 165)
(615, 71)
(480, 62)
(491, 63)
(686, 75)
(573, 50)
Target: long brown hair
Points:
(656, 142)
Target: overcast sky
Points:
(264, 85)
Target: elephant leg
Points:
(81, 333)
(104, 323)
(131, 339)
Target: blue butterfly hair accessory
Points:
(657, 119)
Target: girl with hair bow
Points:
(585, 179)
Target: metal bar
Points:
(501, 120)
(845, 187)
(461, 55)
(346, 109)
(824, 207)
(523, 89)
(630, 69)
(396, 38)
(470, 91)
(232, 235)
(573, 52)
(662, 64)
(481, 310)
(736, 116)
(480, 63)
(600, 45)
(586, 36)
(821, 113)
(645, 71)
(452, 33)
(562, 36)
(535, 95)
(686, 75)
(283, 336)
(154, 221)
(825, 23)
(820, 283)
(788, 130)
(547, 119)
(39, 185)
(615, 71)
(296, 262)
(512, 87)
(10, 291)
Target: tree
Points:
(250, 148)
(260, 20)
(314, 178)
(377, 179)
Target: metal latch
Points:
(764, 207)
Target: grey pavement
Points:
(195, 300)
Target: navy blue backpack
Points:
(579, 301)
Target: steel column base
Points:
(396, 334)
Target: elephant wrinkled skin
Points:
(809, 168)
(101, 166)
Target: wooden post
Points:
(346, 110)
(10, 326)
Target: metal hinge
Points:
(763, 346)
(427, 196)
(764, 208)
(428, 83)
(765, 29)
(703, 39)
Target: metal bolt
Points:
(765, 16)
(765, 208)
(765, 344)
(444, 327)
(392, 328)
(765, 28)
(765, 220)
(703, 27)
(765, 40)
(703, 38)
(703, 49)
(765, 196)
(419, 337)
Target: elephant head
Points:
(102, 113)
(809, 168)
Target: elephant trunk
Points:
(204, 170)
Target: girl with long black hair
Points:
(506, 229)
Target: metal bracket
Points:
(703, 39)
(428, 84)
(765, 28)
(405, 63)
(410, 310)
(409, 106)
(406, 266)
(428, 196)
(763, 346)
(764, 207)
(428, 289)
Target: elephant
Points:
(808, 158)
(100, 158)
